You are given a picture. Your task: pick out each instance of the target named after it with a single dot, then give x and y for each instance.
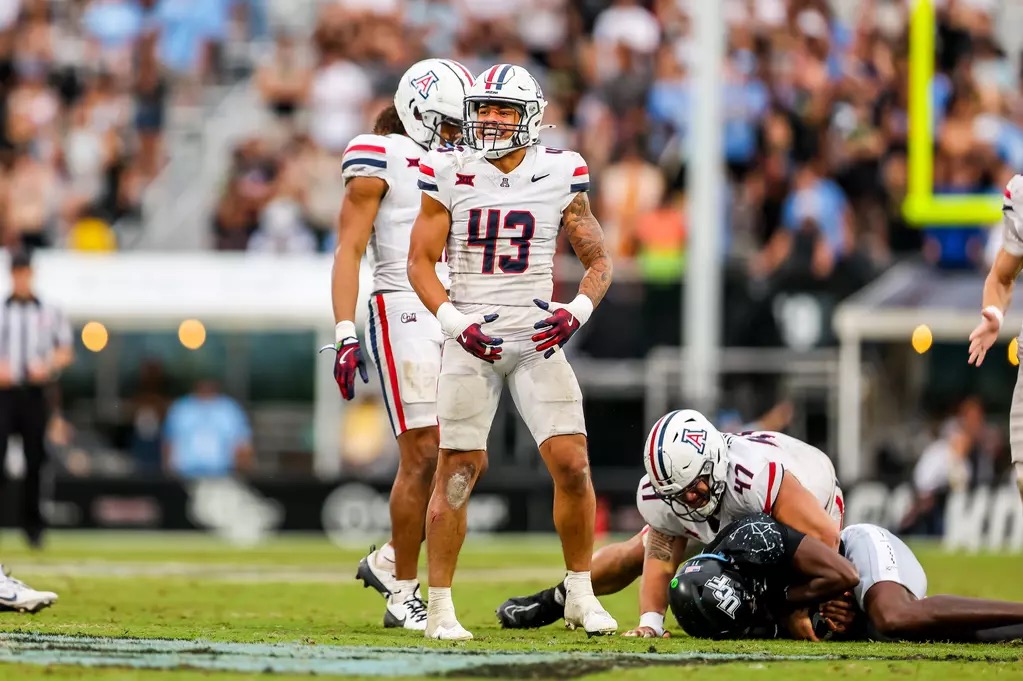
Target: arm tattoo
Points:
(659, 545)
(587, 240)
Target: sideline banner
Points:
(242, 511)
(245, 512)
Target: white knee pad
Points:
(549, 400)
(466, 404)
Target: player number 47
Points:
(740, 473)
(486, 236)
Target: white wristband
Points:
(345, 329)
(452, 322)
(654, 620)
(581, 308)
(997, 312)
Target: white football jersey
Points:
(1012, 216)
(394, 159)
(756, 463)
(504, 227)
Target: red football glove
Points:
(349, 358)
(557, 329)
(479, 344)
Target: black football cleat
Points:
(532, 612)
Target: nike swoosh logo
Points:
(345, 354)
(513, 610)
(463, 338)
(13, 596)
(537, 179)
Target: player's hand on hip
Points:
(565, 320)
(467, 330)
(479, 344)
(985, 334)
(646, 632)
(348, 360)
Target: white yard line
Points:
(251, 573)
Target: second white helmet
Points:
(682, 449)
(431, 92)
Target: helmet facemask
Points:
(715, 490)
(496, 138)
(432, 121)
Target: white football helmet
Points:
(431, 92)
(506, 84)
(682, 448)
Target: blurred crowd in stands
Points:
(815, 98)
(85, 87)
(815, 106)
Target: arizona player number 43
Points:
(498, 205)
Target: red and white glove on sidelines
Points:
(467, 331)
(349, 359)
(562, 324)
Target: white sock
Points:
(406, 588)
(578, 584)
(440, 603)
(385, 557)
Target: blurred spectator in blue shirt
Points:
(822, 201)
(188, 30)
(206, 435)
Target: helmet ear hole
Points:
(415, 111)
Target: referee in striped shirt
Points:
(35, 345)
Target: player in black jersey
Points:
(759, 573)
(741, 585)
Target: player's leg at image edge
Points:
(896, 613)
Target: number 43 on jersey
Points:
(486, 236)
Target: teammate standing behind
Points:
(381, 173)
(997, 296)
(498, 208)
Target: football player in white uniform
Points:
(698, 481)
(997, 296)
(381, 173)
(498, 207)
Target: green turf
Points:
(262, 604)
(789, 671)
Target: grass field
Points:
(185, 606)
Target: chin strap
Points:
(468, 155)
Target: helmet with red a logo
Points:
(686, 458)
(430, 93)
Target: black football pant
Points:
(24, 412)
